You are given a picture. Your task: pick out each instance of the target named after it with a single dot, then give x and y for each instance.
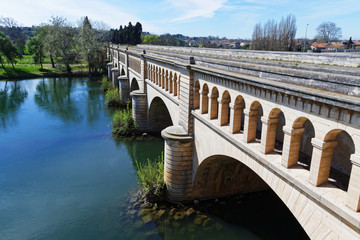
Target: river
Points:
(63, 175)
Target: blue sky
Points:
(229, 18)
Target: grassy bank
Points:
(25, 68)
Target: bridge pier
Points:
(139, 109)
(178, 163)
(124, 90)
(109, 67)
(114, 77)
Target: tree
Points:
(11, 28)
(88, 42)
(92, 48)
(36, 49)
(7, 50)
(151, 39)
(126, 35)
(328, 31)
(48, 41)
(62, 38)
(275, 36)
(136, 33)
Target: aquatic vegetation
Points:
(123, 123)
(151, 179)
(105, 84)
(112, 98)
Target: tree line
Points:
(275, 36)
(280, 36)
(58, 40)
(126, 35)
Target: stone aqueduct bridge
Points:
(235, 125)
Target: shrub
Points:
(151, 178)
(123, 123)
(105, 84)
(112, 98)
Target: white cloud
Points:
(192, 9)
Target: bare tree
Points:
(287, 32)
(328, 31)
(8, 22)
(275, 36)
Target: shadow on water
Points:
(12, 95)
(259, 215)
(141, 148)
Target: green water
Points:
(63, 176)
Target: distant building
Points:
(335, 46)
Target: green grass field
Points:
(25, 68)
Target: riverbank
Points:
(26, 69)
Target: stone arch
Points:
(297, 143)
(225, 108)
(221, 175)
(134, 85)
(159, 115)
(175, 85)
(238, 119)
(334, 161)
(204, 99)
(273, 137)
(214, 103)
(197, 95)
(253, 124)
